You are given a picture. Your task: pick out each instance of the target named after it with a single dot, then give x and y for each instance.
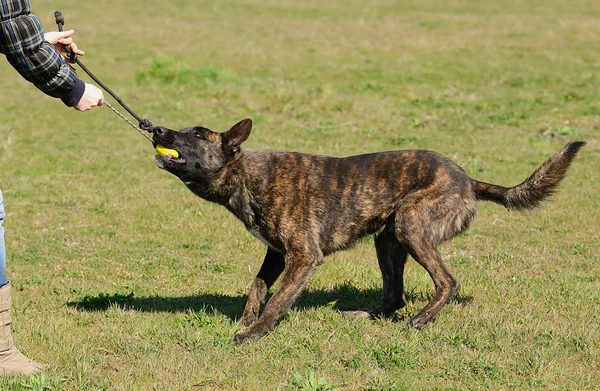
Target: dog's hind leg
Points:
(299, 267)
(423, 221)
(270, 271)
(446, 285)
(391, 255)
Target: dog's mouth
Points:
(168, 155)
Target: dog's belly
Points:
(346, 238)
(340, 226)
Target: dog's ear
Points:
(234, 137)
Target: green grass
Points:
(124, 280)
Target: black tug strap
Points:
(144, 123)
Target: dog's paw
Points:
(417, 322)
(358, 314)
(247, 336)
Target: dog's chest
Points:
(255, 231)
(240, 206)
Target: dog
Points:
(305, 207)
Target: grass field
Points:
(124, 280)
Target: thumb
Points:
(54, 36)
(65, 34)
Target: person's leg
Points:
(12, 362)
(3, 280)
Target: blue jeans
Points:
(2, 246)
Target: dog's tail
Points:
(539, 186)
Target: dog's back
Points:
(339, 200)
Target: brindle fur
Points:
(304, 207)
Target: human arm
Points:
(92, 95)
(39, 61)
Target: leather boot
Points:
(12, 362)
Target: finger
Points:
(54, 36)
(76, 50)
(66, 41)
(65, 34)
(72, 45)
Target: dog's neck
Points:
(234, 187)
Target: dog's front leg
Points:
(299, 267)
(270, 271)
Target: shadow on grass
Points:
(343, 297)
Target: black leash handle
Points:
(143, 122)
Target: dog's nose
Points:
(159, 130)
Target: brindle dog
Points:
(304, 207)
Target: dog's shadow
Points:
(344, 297)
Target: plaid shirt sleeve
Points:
(39, 62)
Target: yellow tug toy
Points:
(166, 151)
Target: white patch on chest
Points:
(256, 234)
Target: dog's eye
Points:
(197, 134)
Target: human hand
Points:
(62, 40)
(92, 97)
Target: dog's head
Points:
(198, 153)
